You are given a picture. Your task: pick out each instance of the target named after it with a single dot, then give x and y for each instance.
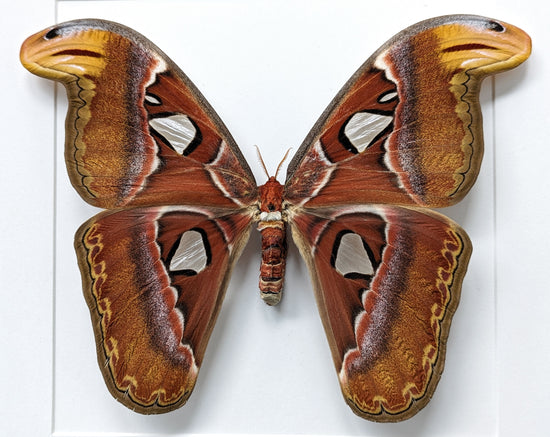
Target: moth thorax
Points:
(271, 199)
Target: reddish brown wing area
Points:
(138, 132)
(406, 128)
(387, 282)
(154, 279)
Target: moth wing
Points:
(154, 280)
(138, 132)
(406, 128)
(387, 281)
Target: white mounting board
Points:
(269, 68)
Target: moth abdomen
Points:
(272, 227)
(272, 268)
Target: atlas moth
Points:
(402, 136)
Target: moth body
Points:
(274, 247)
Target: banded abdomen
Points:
(272, 227)
(272, 269)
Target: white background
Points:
(269, 68)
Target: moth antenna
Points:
(283, 160)
(262, 161)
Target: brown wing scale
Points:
(406, 128)
(138, 132)
(387, 281)
(154, 279)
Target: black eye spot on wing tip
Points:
(495, 26)
(53, 33)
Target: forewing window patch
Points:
(177, 130)
(151, 99)
(389, 96)
(350, 256)
(191, 254)
(364, 128)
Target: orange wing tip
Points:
(51, 57)
(483, 46)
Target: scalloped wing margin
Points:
(154, 280)
(387, 282)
